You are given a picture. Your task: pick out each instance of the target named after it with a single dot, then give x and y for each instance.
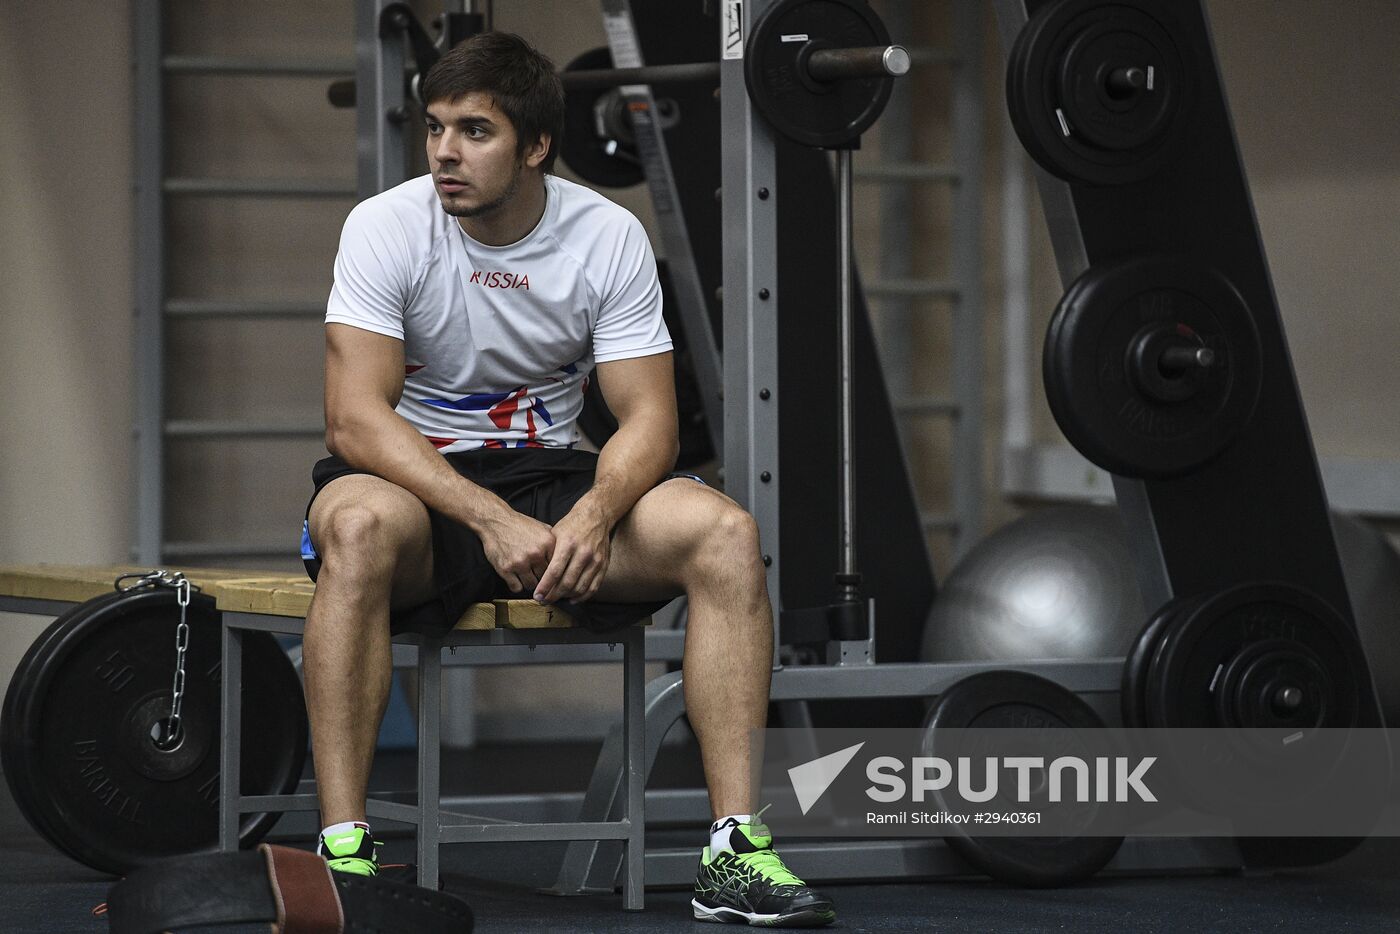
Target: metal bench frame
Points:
(434, 825)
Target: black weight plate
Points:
(76, 732)
(1276, 758)
(1062, 106)
(1016, 700)
(582, 149)
(1192, 667)
(1240, 626)
(13, 758)
(825, 114)
(1137, 667)
(1097, 390)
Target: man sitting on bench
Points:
(468, 310)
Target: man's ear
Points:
(536, 151)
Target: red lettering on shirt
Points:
(500, 280)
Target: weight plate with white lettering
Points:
(1020, 701)
(1278, 670)
(1152, 365)
(826, 114)
(81, 716)
(1101, 93)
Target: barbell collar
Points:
(871, 61)
(1182, 358)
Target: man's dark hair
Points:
(522, 83)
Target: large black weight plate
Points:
(76, 738)
(1277, 669)
(582, 148)
(21, 687)
(1016, 700)
(814, 113)
(1099, 92)
(1214, 664)
(1103, 372)
(1223, 663)
(1137, 667)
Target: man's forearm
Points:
(384, 444)
(632, 461)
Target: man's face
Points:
(472, 153)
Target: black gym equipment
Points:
(598, 142)
(1152, 366)
(1021, 701)
(821, 71)
(1160, 175)
(1100, 92)
(81, 739)
(890, 537)
(1262, 662)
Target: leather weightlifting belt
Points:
(291, 890)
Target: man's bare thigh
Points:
(657, 538)
(397, 521)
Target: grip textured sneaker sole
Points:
(804, 918)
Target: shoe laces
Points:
(770, 865)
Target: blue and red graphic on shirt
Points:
(502, 408)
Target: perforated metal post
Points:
(379, 103)
(751, 297)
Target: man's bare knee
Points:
(369, 532)
(728, 553)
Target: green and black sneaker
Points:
(750, 885)
(350, 851)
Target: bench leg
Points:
(230, 736)
(634, 735)
(429, 760)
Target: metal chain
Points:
(183, 588)
(182, 642)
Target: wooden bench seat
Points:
(242, 591)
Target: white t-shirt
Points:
(499, 340)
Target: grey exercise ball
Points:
(1056, 583)
(1059, 583)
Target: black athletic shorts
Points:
(544, 483)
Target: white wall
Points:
(65, 290)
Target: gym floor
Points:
(43, 891)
